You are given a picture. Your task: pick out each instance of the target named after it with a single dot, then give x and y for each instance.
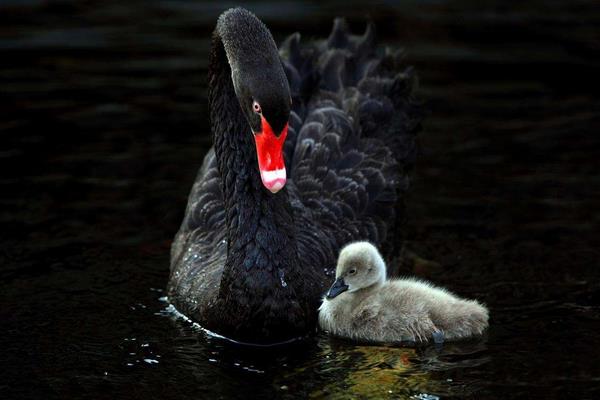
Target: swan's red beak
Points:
(269, 151)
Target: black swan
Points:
(312, 146)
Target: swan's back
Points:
(350, 146)
(351, 142)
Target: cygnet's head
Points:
(359, 266)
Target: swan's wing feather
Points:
(205, 207)
(200, 244)
(354, 126)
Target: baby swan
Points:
(361, 304)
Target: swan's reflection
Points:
(342, 369)
(327, 367)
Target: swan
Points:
(361, 304)
(312, 148)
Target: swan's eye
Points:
(352, 271)
(256, 107)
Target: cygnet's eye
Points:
(352, 271)
(256, 107)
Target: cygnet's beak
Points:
(337, 288)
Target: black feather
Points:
(350, 145)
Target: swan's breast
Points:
(329, 315)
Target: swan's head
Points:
(261, 87)
(359, 266)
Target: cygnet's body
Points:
(363, 305)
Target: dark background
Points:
(103, 124)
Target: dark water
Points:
(103, 125)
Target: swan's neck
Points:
(261, 273)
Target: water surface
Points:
(103, 127)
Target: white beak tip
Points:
(274, 180)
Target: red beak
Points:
(269, 151)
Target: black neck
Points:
(262, 263)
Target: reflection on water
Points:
(340, 369)
(371, 372)
(104, 125)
